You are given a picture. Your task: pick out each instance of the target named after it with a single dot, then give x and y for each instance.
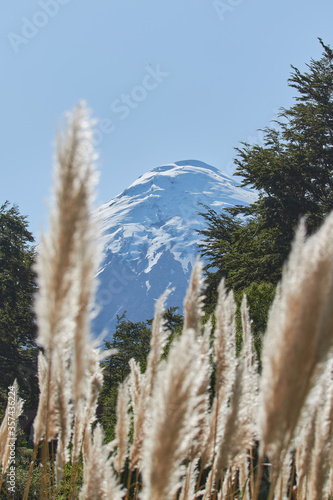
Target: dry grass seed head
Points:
(321, 454)
(99, 482)
(135, 385)
(174, 418)
(122, 426)
(298, 338)
(158, 341)
(224, 338)
(47, 389)
(193, 303)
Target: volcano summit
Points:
(151, 239)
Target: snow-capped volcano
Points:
(151, 239)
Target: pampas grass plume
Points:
(298, 338)
(99, 482)
(122, 426)
(174, 419)
(193, 303)
(143, 385)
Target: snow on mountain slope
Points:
(150, 238)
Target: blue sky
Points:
(168, 81)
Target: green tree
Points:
(292, 173)
(18, 350)
(132, 340)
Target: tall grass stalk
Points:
(143, 386)
(66, 265)
(298, 340)
(174, 418)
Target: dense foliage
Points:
(292, 173)
(17, 323)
